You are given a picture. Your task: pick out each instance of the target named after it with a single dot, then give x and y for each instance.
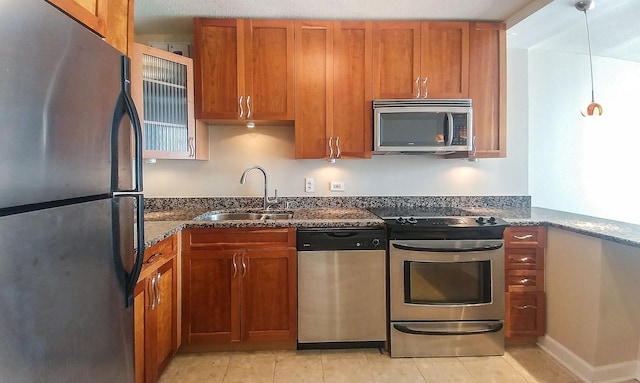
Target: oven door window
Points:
(412, 129)
(447, 283)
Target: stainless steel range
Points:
(446, 282)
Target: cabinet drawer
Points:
(525, 236)
(225, 238)
(165, 248)
(524, 259)
(525, 314)
(524, 280)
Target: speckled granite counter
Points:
(615, 231)
(168, 216)
(161, 224)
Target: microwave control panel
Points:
(459, 129)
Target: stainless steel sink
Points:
(240, 216)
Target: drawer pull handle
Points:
(522, 237)
(525, 281)
(525, 259)
(526, 307)
(154, 258)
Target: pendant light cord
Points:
(590, 60)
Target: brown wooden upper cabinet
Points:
(243, 69)
(333, 89)
(162, 89)
(111, 19)
(420, 59)
(488, 89)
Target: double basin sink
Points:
(244, 216)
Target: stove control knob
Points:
(480, 221)
(492, 220)
(375, 242)
(401, 220)
(412, 220)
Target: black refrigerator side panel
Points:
(59, 85)
(63, 316)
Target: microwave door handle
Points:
(450, 129)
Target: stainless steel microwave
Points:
(422, 126)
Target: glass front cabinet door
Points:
(162, 88)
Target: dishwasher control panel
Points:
(341, 238)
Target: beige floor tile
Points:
(443, 370)
(251, 367)
(196, 368)
(538, 367)
(298, 367)
(491, 369)
(346, 366)
(393, 370)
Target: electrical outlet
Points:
(336, 186)
(310, 185)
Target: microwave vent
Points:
(417, 102)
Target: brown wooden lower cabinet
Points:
(155, 312)
(239, 289)
(525, 305)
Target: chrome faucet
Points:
(267, 201)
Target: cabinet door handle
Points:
(526, 307)
(526, 281)
(525, 259)
(152, 293)
(244, 266)
(424, 95)
(338, 153)
(241, 107)
(474, 148)
(417, 87)
(192, 147)
(235, 265)
(331, 147)
(522, 237)
(248, 106)
(158, 288)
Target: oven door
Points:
(446, 280)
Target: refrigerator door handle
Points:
(126, 107)
(131, 277)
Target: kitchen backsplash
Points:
(219, 203)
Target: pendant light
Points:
(593, 109)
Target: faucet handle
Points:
(288, 204)
(271, 201)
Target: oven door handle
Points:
(489, 329)
(490, 247)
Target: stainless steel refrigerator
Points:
(70, 201)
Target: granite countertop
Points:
(610, 230)
(161, 224)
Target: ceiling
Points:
(540, 24)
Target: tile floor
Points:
(521, 364)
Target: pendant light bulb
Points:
(593, 109)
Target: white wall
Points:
(233, 148)
(584, 165)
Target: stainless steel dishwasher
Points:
(341, 287)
